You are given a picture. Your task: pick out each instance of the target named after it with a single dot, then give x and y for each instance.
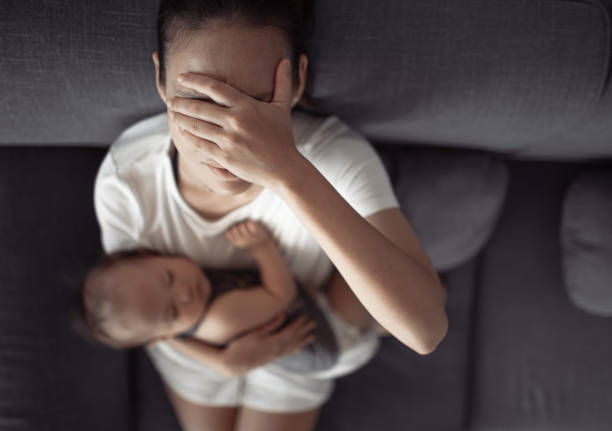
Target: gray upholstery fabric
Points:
(490, 74)
(506, 76)
(75, 72)
(452, 199)
(50, 379)
(540, 363)
(586, 238)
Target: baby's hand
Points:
(248, 234)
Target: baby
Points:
(132, 298)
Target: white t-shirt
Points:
(138, 203)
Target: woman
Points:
(230, 148)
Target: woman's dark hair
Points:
(292, 17)
(87, 318)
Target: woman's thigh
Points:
(197, 417)
(256, 420)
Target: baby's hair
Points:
(88, 312)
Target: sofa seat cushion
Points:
(540, 364)
(50, 379)
(586, 235)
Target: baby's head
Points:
(133, 297)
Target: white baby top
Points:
(138, 203)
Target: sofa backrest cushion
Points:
(490, 74)
(75, 72)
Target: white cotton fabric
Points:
(138, 204)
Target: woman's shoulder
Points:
(308, 125)
(144, 140)
(329, 143)
(314, 133)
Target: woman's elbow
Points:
(424, 334)
(438, 326)
(434, 336)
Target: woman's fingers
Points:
(256, 137)
(297, 329)
(295, 336)
(230, 234)
(306, 341)
(203, 129)
(200, 109)
(242, 228)
(209, 148)
(308, 327)
(304, 329)
(252, 227)
(270, 326)
(220, 92)
(282, 84)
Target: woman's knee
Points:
(198, 417)
(257, 420)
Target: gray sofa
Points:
(494, 119)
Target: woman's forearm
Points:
(257, 347)
(400, 293)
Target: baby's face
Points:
(159, 297)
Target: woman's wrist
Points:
(230, 368)
(294, 175)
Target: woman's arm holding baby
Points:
(258, 347)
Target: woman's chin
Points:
(233, 186)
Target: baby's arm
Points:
(243, 309)
(274, 272)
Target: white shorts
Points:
(267, 388)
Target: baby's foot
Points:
(248, 234)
